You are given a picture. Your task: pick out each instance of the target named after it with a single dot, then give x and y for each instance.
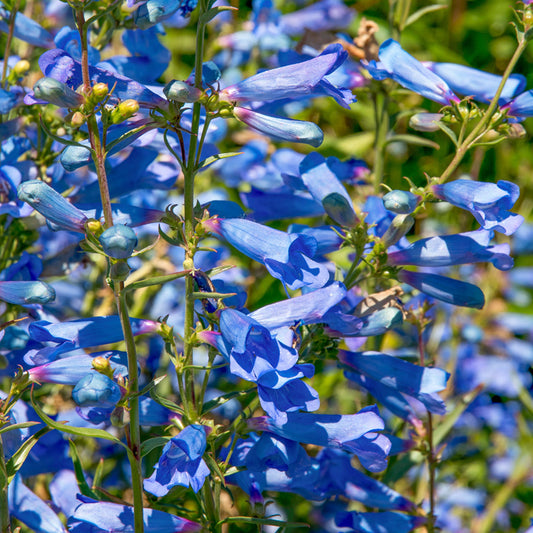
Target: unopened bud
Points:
(77, 119)
(55, 92)
(94, 226)
(400, 226)
(425, 121)
(124, 111)
(21, 68)
(212, 102)
(118, 241)
(179, 91)
(99, 92)
(120, 271)
(102, 365)
(400, 202)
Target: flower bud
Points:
(99, 92)
(21, 68)
(103, 366)
(57, 93)
(425, 121)
(95, 389)
(118, 241)
(399, 228)
(179, 91)
(125, 110)
(120, 271)
(55, 208)
(77, 119)
(26, 292)
(400, 202)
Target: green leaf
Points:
(62, 140)
(263, 521)
(220, 295)
(423, 11)
(214, 468)
(221, 400)
(151, 444)
(82, 432)
(149, 387)
(167, 403)
(449, 132)
(158, 280)
(18, 458)
(124, 136)
(413, 139)
(80, 475)
(22, 425)
(217, 157)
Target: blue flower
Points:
(457, 249)
(294, 81)
(488, 202)
(376, 522)
(403, 68)
(26, 292)
(96, 389)
(477, 83)
(25, 29)
(357, 433)
(153, 12)
(180, 463)
(286, 256)
(448, 290)
(92, 516)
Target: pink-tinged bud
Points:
(179, 91)
(55, 92)
(425, 121)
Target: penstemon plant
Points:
(244, 268)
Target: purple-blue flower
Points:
(457, 249)
(293, 81)
(26, 292)
(288, 257)
(93, 516)
(488, 202)
(403, 68)
(378, 522)
(180, 463)
(357, 433)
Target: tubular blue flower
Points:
(26, 292)
(322, 15)
(344, 324)
(488, 202)
(326, 188)
(448, 290)
(70, 370)
(286, 256)
(353, 433)
(521, 105)
(153, 12)
(481, 85)
(275, 464)
(27, 507)
(340, 478)
(308, 308)
(293, 81)
(25, 29)
(251, 348)
(180, 463)
(419, 382)
(457, 249)
(282, 129)
(54, 207)
(92, 516)
(61, 66)
(81, 333)
(403, 68)
(96, 389)
(376, 522)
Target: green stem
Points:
(134, 425)
(382, 127)
(431, 458)
(10, 33)
(188, 199)
(481, 126)
(5, 525)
